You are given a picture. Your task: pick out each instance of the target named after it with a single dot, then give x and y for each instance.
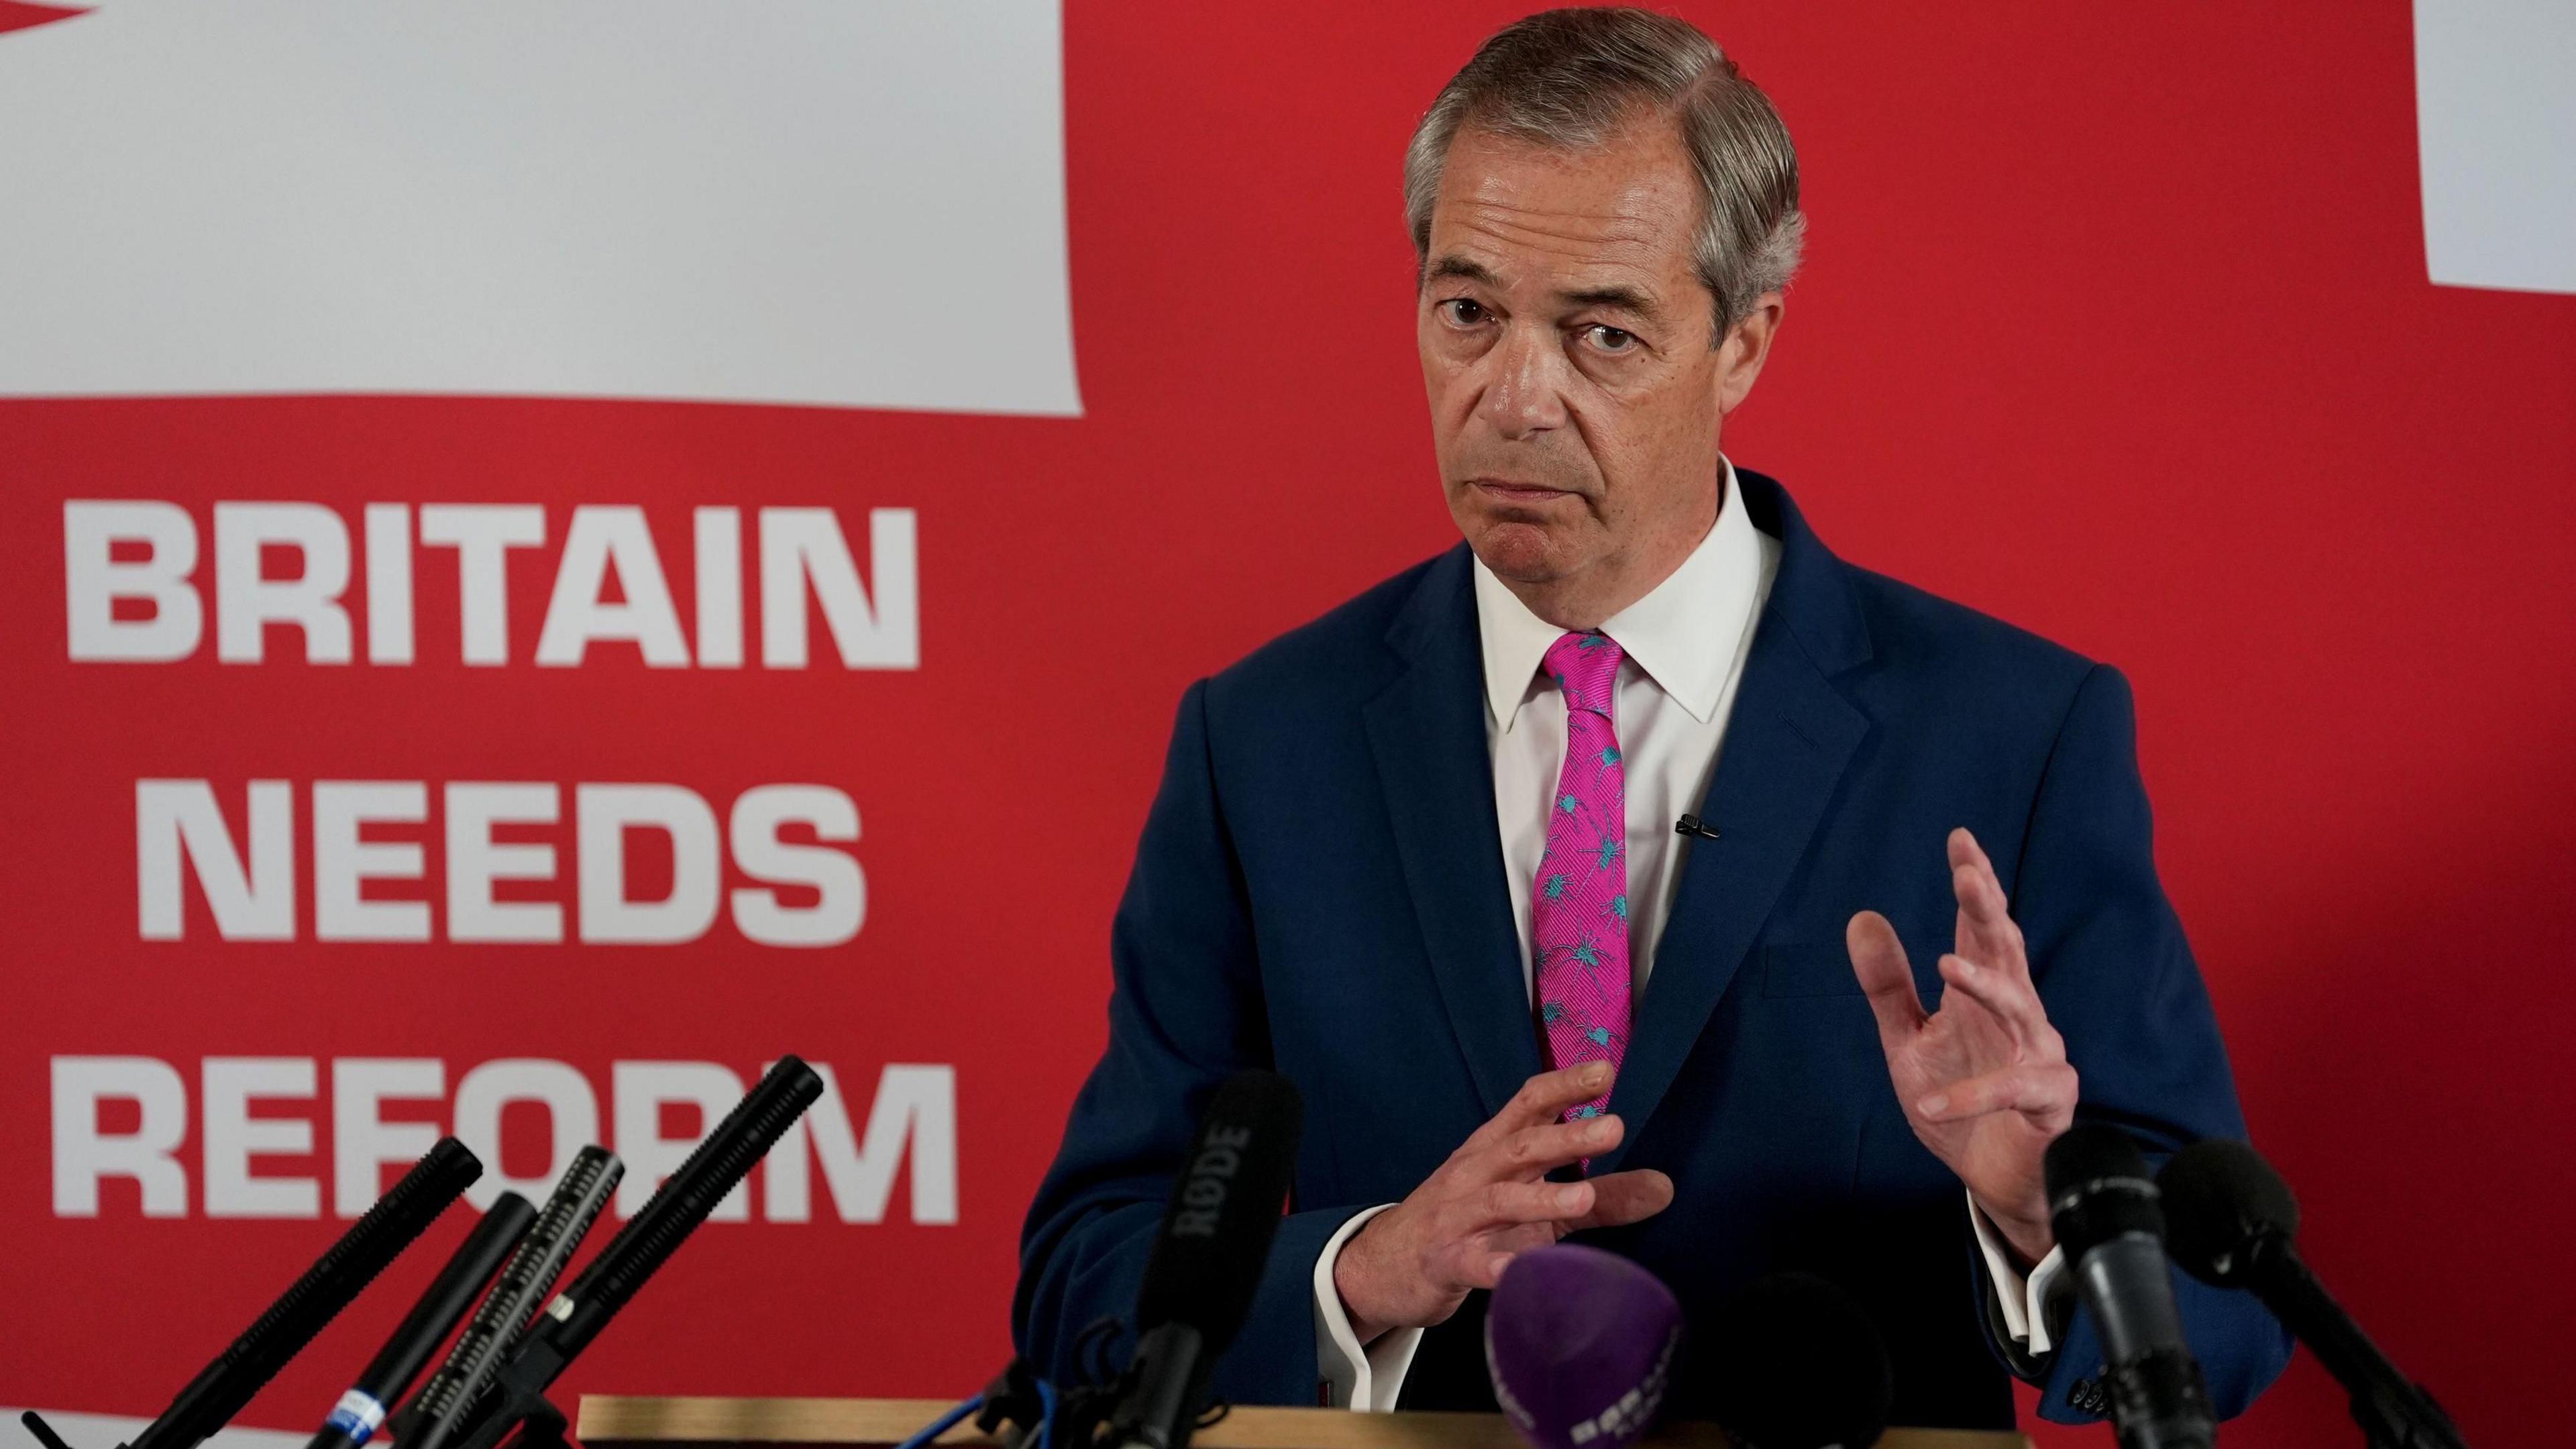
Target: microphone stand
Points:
(2393, 1411)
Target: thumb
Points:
(1626, 1197)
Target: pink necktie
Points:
(1579, 909)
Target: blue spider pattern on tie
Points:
(1579, 914)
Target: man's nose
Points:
(1525, 389)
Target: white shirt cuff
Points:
(2019, 1300)
(1365, 1379)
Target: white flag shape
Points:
(837, 202)
(2495, 123)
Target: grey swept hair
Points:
(1569, 79)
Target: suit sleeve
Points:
(1185, 1012)
(2120, 985)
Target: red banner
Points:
(553, 571)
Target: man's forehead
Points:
(1622, 212)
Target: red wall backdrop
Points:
(2116, 325)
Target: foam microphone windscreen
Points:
(1580, 1344)
(2099, 1189)
(2220, 1198)
(1207, 1260)
(1795, 1363)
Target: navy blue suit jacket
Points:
(1319, 890)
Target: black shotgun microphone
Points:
(1207, 1261)
(575, 1317)
(448, 1399)
(2234, 1225)
(725, 1158)
(2104, 1209)
(212, 1398)
(451, 1294)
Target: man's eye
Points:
(1611, 339)
(1465, 311)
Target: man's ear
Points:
(1746, 347)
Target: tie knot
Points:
(1585, 667)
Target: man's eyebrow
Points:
(1463, 269)
(1625, 298)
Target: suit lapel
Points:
(1427, 732)
(1790, 736)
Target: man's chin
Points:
(1525, 553)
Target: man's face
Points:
(1575, 396)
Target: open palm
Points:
(1984, 1081)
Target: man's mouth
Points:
(1508, 490)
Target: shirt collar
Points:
(1684, 633)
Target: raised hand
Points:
(1984, 1081)
(1413, 1264)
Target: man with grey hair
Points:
(1638, 868)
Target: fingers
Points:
(2041, 1090)
(1544, 1098)
(1484, 1257)
(2010, 996)
(1514, 1241)
(1509, 1204)
(1616, 1199)
(1987, 932)
(1879, 961)
(1533, 1151)
(1627, 1197)
(1413, 1264)
(1483, 1261)
(1596, 1202)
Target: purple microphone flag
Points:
(1580, 1344)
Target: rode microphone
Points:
(1796, 1363)
(1208, 1258)
(432, 1417)
(354, 1419)
(336, 1278)
(517, 1399)
(2110, 1220)
(2234, 1224)
(1580, 1344)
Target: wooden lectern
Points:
(613, 1421)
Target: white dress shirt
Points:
(1684, 646)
